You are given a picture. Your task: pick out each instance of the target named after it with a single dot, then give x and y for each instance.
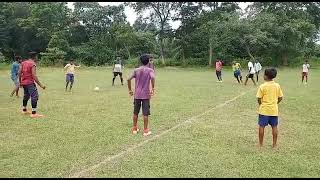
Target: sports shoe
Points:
(146, 132)
(134, 131)
(36, 116)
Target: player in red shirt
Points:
(27, 79)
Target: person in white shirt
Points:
(258, 68)
(117, 70)
(305, 71)
(250, 73)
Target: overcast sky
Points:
(132, 16)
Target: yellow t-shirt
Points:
(235, 67)
(70, 68)
(269, 92)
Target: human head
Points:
(18, 59)
(150, 58)
(233, 62)
(306, 61)
(270, 74)
(33, 55)
(71, 61)
(145, 58)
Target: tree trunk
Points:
(162, 51)
(285, 59)
(183, 58)
(249, 53)
(210, 54)
(128, 51)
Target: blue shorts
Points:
(70, 78)
(15, 81)
(265, 120)
(237, 73)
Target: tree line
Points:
(276, 33)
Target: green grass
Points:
(85, 127)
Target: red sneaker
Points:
(36, 116)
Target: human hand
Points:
(131, 92)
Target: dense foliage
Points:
(273, 32)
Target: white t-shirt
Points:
(305, 67)
(250, 65)
(257, 66)
(117, 68)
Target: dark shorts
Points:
(70, 78)
(304, 74)
(15, 81)
(145, 106)
(265, 120)
(250, 76)
(115, 74)
(218, 73)
(30, 91)
(237, 74)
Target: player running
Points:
(236, 67)
(250, 73)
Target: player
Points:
(218, 70)
(70, 67)
(14, 75)
(142, 94)
(258, 68)
(27, 79)
(151, 64)
(237, 71)
(305, 71)
(117, 70)
(269, 96)
(250, 73)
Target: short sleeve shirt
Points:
(269, 92)
(250, 65)
(142, 76)
(26, 72)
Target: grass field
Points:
(84, 128)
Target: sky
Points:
(132, 16)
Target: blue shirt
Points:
(14, 70)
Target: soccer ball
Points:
(96, 88)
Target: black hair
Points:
(145, 58)
(271, 73)
(17, 58)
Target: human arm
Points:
(34, 74)
(279, 99)
(152, 82)
(259, 101)
(129, 84)
(65, 67)
(280, 95)
(19, 74)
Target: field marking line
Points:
(153, 137)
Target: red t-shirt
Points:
(26, 72)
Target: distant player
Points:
(142, 94)
(117, 70)
(27, 79)
(269, 96)
(305, 71)
(258, 68)
(250, 73)
(218, 70)
(151, 65)
(236, 67)
(14, 75)
(70, 67)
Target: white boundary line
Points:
(78, 174)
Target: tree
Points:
(161, 12)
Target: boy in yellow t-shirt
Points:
(70, 67)
(269, 96)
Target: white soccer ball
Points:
(96, 88)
